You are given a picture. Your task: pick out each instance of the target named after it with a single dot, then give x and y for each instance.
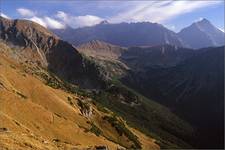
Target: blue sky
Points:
(60, 13)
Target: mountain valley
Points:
(110, 86)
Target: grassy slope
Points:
(36, 116)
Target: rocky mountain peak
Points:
(202, 34)
(204, 21)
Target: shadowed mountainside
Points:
(194, 89)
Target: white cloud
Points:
(62, 15)
(60, 20)
(26, 12)
(87, 20)
(4, 16)
(47, 22)
(78, 21)
(159, 11)
(53, 24)
(38, 20)
(132, 11)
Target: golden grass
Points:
(37, 116)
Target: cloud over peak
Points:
(45, 21)
(37, 20)
(53, 23)
(60, 20)
(78, 21)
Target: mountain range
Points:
(121, 86)
(198, 35)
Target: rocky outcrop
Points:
(85, 108)
(101, 147)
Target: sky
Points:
(59, 14)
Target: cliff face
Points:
(39, 45)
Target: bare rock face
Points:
(101, 147)
(41, 46)
(85, 108)
(27, 34)
(87, 112)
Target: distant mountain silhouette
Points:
(202, 34)
(122, 34)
